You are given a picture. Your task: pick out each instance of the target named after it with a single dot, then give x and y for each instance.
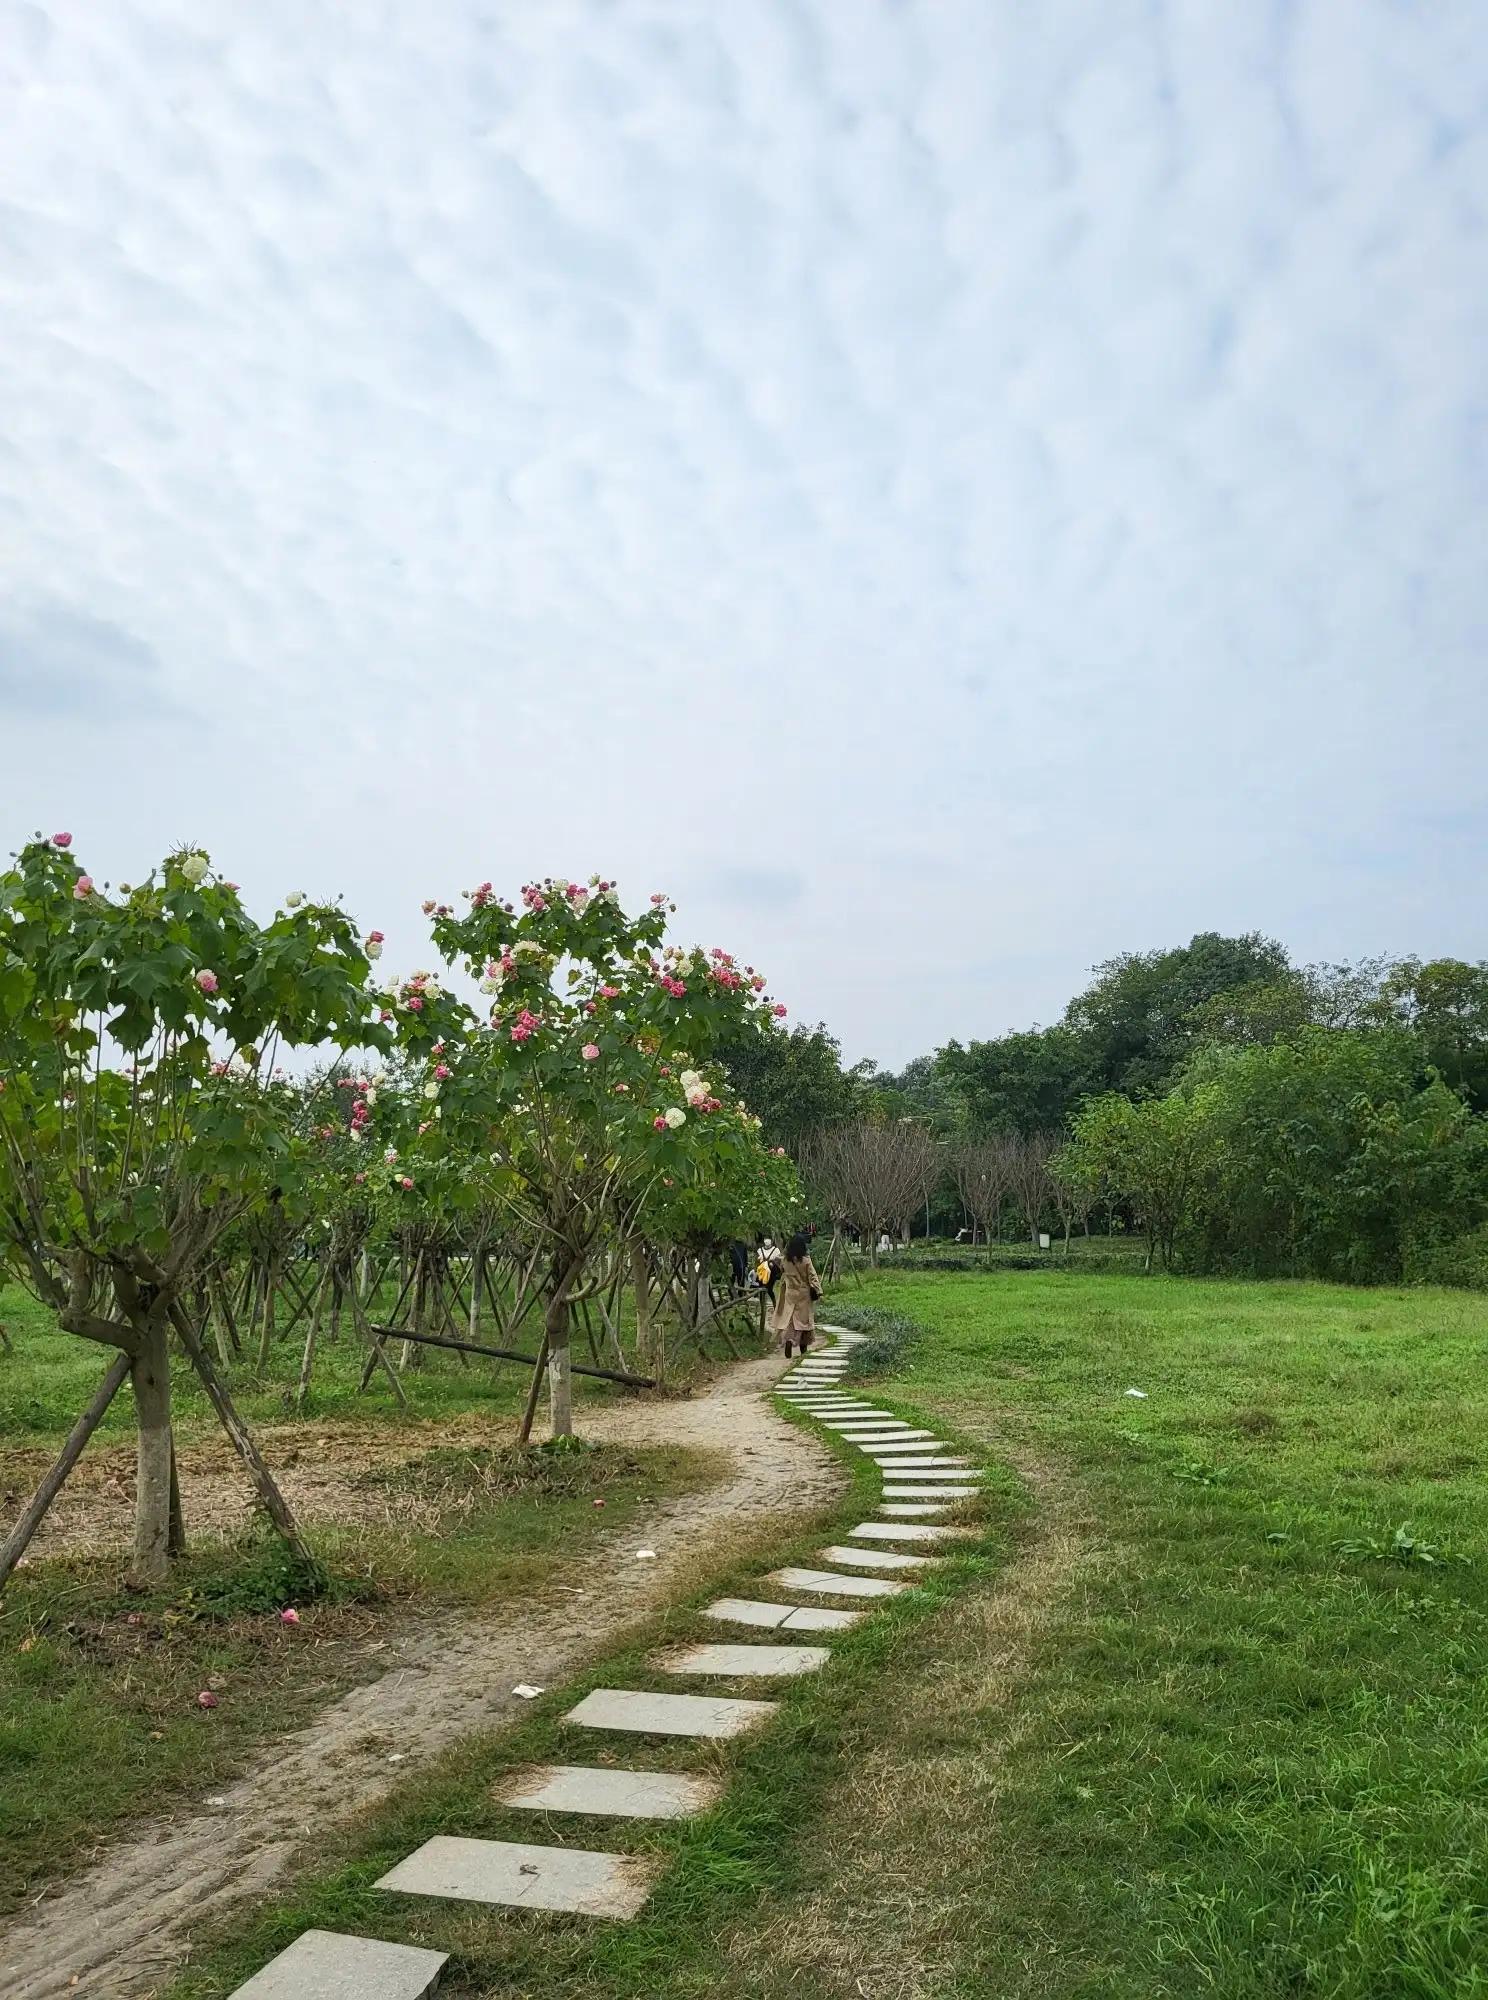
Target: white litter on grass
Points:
(527, 1691)
(645, 1555)
(217, 1802)
(397, 1756)
(1142, 1393)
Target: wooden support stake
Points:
(509, 1354)
(539, 1369)
(274, 1503)
(20, 1535)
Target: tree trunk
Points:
(649, 1356)
(149, 1375)
(266, 1336)
(307, 1359)
(560, 1380)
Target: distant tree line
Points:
(1242, 1113)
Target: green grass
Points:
(98, 1686)
(939, 1254)
(50, 1375)
(1189, 1722)
(1249, 1748)
(755, 1850)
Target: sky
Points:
(950, 490)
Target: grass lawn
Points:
(1188, 1721)
(731, 1879)
(1233, 1741)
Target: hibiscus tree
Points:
(581, 1081)
(139, 1122)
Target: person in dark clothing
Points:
(739, 1265)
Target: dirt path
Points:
(119, 1930)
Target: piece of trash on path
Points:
(218, 1801)
(1142, 1393)
(645, 1555)
(526, 1690)
(289, 1617)
(397, 1756)
(206, 1699)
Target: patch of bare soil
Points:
(119, 1930)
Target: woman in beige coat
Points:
(800, 1288)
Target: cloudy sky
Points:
(950, 489)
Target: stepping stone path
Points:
(323, 1965)
(529, 1878)
(826, 1584)
(583, 1788)
(744, 1660)
(875, 1559)
(668, 1714)
(903, 1531)
(945, 1493)
(781, 1617)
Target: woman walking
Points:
(800, 1288)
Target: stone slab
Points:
(952, 1475)
(329, 1965)
(668, 1714)
(945, 1493)
(882, 1433)
(521, 1876)
(846, 1424)
(584, 1788)
(776, 1662)
(917, 1465)
(903, 1531)
(860, 1558)
(911, 1510)
(780, 1617)
(826, 1585)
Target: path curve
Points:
(120, 1929)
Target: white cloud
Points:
(1020, 470)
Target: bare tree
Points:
(983, 1169)
(1031, 1180)
(875, 1175)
